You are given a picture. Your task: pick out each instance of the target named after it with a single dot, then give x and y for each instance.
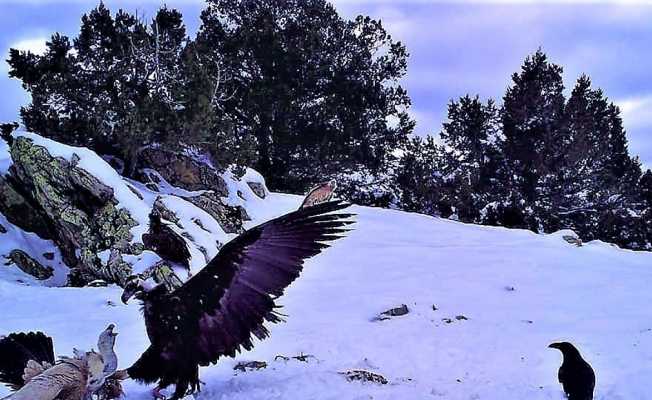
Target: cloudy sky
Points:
(455, 47)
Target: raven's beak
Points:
(554, 346)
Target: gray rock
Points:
(230, 218)
(393, 312)
(244, 366)
(165, 213)
(258, 189)
(163, 273)
(58, 200)
(20, 211)
(29, 265)
(183, 171)
(78, 208)
(362, 375)
(573, 240)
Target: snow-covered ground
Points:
(520, 291)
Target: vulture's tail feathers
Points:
(19, 348)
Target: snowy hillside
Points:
(500, 297)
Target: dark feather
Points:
(17, 349)
(218, 311)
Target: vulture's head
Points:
(566, 348)
(140, 289)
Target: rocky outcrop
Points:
(80, 208)
(229, 218)
(20, 211)
(29, 265)
(183, 171)
(97, 218)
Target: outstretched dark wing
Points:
(19, 348)
(233, 295)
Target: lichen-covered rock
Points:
(29, 265)
(79, 207)
(162, 273)
(161, 209)
(183, 171)
(230, 218)
(98, 219)
(21, 212)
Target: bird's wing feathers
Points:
(232, 296)
(33, 369)
(17, 349)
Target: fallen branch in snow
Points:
(301, 357)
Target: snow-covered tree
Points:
(320, 94)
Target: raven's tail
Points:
(19, 348)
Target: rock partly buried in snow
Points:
(29, 265)
(569, 236)
(80, 208)
(183, 171)
(573, 240)
(97, 218)
(161, 209)
(258, 189)
(244, 366)
(457, 318)
(20, 211)
(393, 312)
(163, 273)
(229, 218)
(362, 375)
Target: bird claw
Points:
(156, 393)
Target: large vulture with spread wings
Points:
(216, 312)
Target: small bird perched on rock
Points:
(575, 375)
(165, 242)
(27, 365)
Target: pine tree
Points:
(319, 94)
(418, 179)
(125, 84)
(470, 135)
(532, 119)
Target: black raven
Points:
(216, 312)
(575, 375)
